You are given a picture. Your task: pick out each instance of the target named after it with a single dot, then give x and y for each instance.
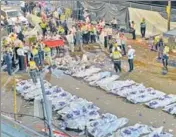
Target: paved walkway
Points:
(116, 105)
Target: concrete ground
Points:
(147, 71)
(118, 106)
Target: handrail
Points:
(8, 119)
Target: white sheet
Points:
(106, 125)
(101, 83)
(86, 72)
(148, 95)
(162, 101)
(170, 109)
(134, 131)
(159, 133)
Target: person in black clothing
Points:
(21, 36)
(65, 27)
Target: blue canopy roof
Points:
(170, 33)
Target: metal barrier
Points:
(11, 128)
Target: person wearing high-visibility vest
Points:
(35, 55)
(116, 57)
(156, 42)
(47, 56)
(143, 28)
(43, 26)
(33, 69)
(165, 57)
(116, 46)
(61, 30)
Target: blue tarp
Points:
(170, 33)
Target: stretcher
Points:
(54, 43)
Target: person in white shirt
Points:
(70, 39)
(17, 29)
(10, 25)
(18, 21)
(114, 23)
(123, 42)
(22, 5)
(131, 54)
(21, 57)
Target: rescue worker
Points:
(33, 70)
(116, 55)
(35, 54)
(43, 26)
(165, 57)
(143, 28)
(61, 30)
(156, 41)
(116, 46)
(47, 57)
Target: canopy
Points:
(170, 33)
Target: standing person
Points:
(105, 38)
(160, 48)
(143, 28)
(92, 34)
(21, 57)
(165, 57)
(17, 29)
(114, 23)
(43, 26)
(131, 55)
(70, 39)
(133, 30)
(33, 70)
(65, 26)
(21, 36)
(10, 25)
(79, 38)
(41, 53)
(35, 54)
(47, 57)
(116, 55)
(8, 61)
(22, 5)
(123, 42)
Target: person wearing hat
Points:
(116, 57)
(131, 54)
(143, 28)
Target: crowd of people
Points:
(54, 25)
